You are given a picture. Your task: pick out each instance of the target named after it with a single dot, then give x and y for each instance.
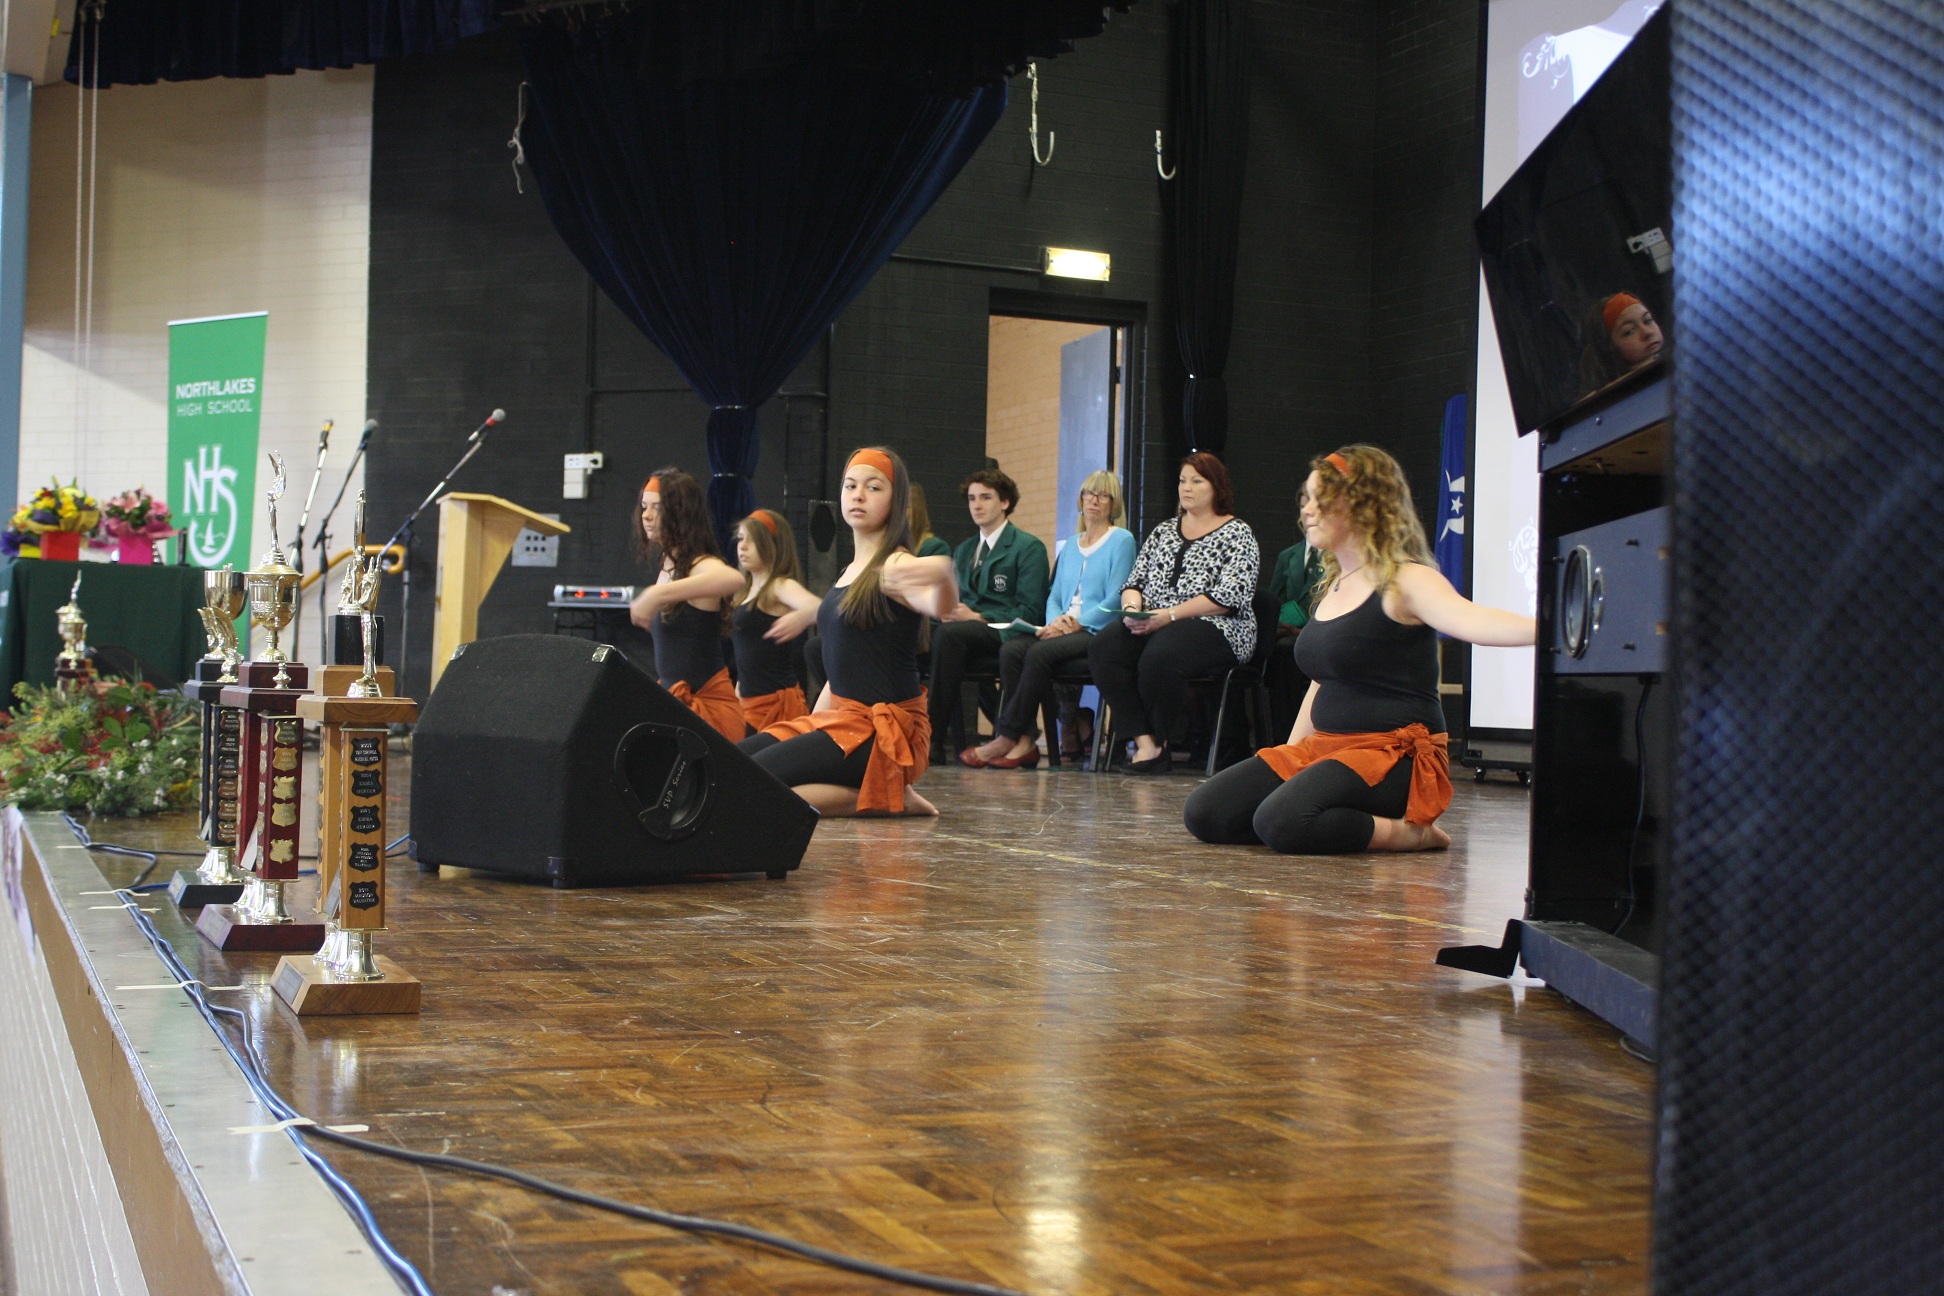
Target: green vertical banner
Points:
(215, 408)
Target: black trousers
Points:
(1026, 667)
(957, 647)
(808, 758)
(1327, 809)
(1144, 678)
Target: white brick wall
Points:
(212, 198)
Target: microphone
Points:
(497, 416)
(324, 435)
(371, 425)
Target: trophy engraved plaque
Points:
(270, 764)
(217, 881)
(354, 734)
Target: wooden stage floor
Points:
(1046, 1041)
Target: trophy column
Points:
(346, 976)
(272, 761)
(217, 881)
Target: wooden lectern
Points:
(476, 534)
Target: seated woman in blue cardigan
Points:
(1088, 574)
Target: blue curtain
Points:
(733, 218)
(140, 42)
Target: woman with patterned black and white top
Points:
(1192, 585)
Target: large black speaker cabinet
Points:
(550, 757)
(1801, 1149)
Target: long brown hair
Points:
(865, 603)
(1381, 512)
(921, 530)
(1215, 473)
(686, 533)
(769, 534)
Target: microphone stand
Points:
(323, 544)
(303, 519)
(404, 532)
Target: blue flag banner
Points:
(1449, 547)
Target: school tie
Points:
(978, 560)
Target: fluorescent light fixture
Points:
(1072, 263)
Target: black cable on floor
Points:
(250, 1061)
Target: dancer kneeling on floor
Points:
(687, 608)
(774, 610)
(1366, 767)
(869, 738)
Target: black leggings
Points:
(1326, 809)
(808, 758)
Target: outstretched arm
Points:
(802, 614)
(1427, 596)
(708, 578)
(926, 585)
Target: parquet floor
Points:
(1046, 1041)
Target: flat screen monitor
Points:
(1578, 246)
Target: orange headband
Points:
(874, 459)
(763, 516)
(1615, 306)
(654, 484)
(1338, 462)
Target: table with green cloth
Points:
(150, 610)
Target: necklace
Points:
(1344, 576)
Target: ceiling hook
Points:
(1160, 169)
(1032, 130)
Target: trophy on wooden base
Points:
(354, 728)
(217, 881)
(272, 770)
(73, 668)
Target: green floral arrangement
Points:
(107, 748)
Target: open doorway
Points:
(1056, 410)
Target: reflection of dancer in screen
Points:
(774, 610)
(686, 609)
(1366, 766)
(869, 739)
(1621, 335)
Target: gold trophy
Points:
(270, 769)
(274, 584)
(72, 668)
(224, 598)
(353, 734)
(217, 881)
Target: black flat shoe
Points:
(1152, 765)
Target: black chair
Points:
(1248, 676)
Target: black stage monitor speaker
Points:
(550, 757)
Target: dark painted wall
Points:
(1354, 298)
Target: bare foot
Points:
(918, 806)
(1399, 835)
(1145, 748)
(837, 802)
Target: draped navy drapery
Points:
(733, 218)
(141, 42)
(1211, 145)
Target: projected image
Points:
(1556, 68)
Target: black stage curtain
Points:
(1211, 148)
(140, 42)
(732, 219)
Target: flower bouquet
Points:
(51, 524)
(108, 748)
(136, 520)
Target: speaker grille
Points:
(1802, 1015)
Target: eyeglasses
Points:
(1102, 496)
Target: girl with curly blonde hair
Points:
(1366, 767)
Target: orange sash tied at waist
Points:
(1372, 756)
(716, 702)
(774, 708)
(900, 755)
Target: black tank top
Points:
(762, 666)
(688, 645)
(870, 666)
(1373, 674)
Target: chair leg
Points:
(1103, 743)
(1221, 716)
(1050, 725)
